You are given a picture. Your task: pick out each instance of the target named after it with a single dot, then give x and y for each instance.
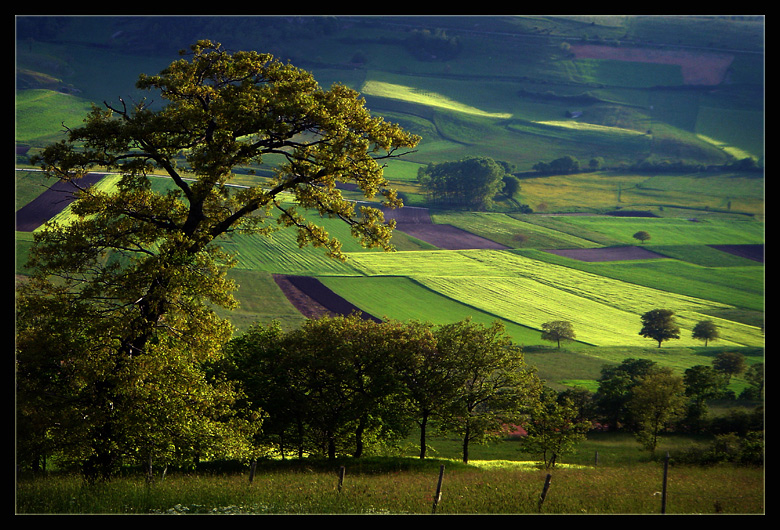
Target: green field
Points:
(604, 311)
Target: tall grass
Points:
(406, 486)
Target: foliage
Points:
(657, 399)
(729, 363)
(659, 325)
(471, 182)
(702, 383)
(614, 392)
(495, 386)
(755, 376)
(641, 236)
(139, 273)
(335, 383)
(705, 330)
(558, 330)
(562, 165)
(553, 428)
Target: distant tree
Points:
(657, 400)
(558, 330)
(705, 330)
(729, 363)
(472, 182)
(563, 165)
(659, 325)
(641, 236)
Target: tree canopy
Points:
(472, 182)
(137, 274)
(558, 330)
(660, 325)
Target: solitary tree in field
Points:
(558, 330)
(641, 236)
(659, 325)
(706, 330)
(139, 272)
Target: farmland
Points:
(664, 116)
(565, 261)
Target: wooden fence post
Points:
(663, 488)
(342, 471)
(437, 497)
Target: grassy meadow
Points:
(607, 475)
(506, 95)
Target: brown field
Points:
(313, 299)
(51, 202)
(417, 223)
(754, 252)
(698, 68)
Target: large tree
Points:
(140, 271)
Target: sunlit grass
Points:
(480, 488)
(591, 127)
(423, 97)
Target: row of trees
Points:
(646, 399)
(337, 385)
(569, 164)
(657, 324)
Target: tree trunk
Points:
(466, 445)
(423, 426)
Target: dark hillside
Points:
(536, 70)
